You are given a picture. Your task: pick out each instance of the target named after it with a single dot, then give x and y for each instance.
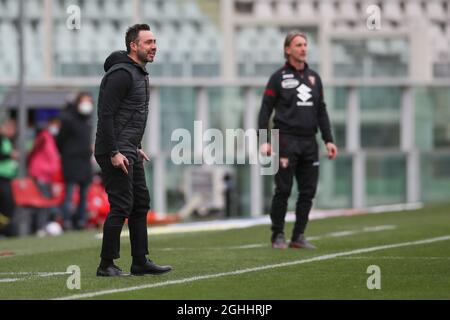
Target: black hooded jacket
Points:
(297, 97)
(122, 106)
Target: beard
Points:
(143, 56)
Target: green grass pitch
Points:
(240, 264)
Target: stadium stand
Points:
(74, 51)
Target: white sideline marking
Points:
(260, 245)
(9, 280)
(28, 275)
(266, 267)
(397, 258)
(379, 228)
(364, 230)
(230, 224)
(250, 246)
(40, 274)
(333, 235)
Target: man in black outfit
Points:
(296, 93)
(122, 117)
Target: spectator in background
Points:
(74, 144)
(44, 164)
(8, 170)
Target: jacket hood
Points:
(120, 57)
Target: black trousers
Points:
(129, 198)
(302, 163)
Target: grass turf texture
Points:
(409, 272)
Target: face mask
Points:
(54, 130)
(85, 108)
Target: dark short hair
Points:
(133, 34)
